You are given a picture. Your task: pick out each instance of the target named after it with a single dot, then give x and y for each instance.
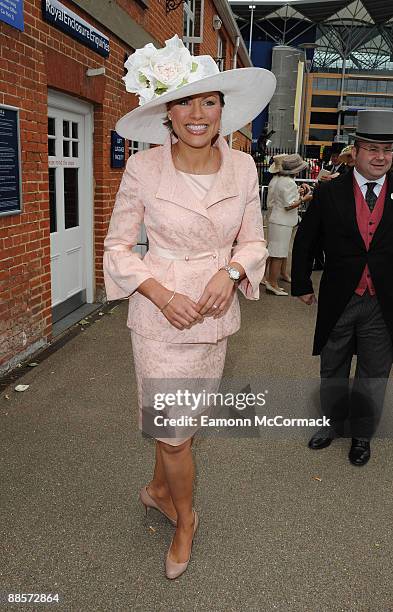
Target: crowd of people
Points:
(199, 202)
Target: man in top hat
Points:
(352, 217)
(335, 166)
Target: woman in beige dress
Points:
(200, 205)
(284, 198)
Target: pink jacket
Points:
(189, 240)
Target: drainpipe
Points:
(234, 64)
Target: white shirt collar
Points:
(361, 180)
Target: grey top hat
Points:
(375, 126)
(288, 164)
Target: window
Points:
(320, 83)
(327, 118)
(192, 23)
(381, 86)
(51, 136)
(369, 101)
(70, 139)
(333, 84)
(142, 245)
(369, 86)
(71, 198)
(52, 200)
(363, 86)
(350, 119)
(321, 135)
(325, 101)
(221, 52)
(351, 85)
(134, 146)
(356, 100)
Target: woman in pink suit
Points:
(199, 201)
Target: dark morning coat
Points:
(330, 222)
(342, 169)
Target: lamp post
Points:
(252, 8)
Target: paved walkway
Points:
(283, 529)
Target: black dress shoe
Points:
(321, 439)
(360, 452)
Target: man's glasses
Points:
(377, 150)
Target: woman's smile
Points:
(197, 129)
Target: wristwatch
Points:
(234, 274)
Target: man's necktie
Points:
(371, 197)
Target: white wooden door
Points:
(70, 210)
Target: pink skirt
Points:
(162, 368)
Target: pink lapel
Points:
(174, 189)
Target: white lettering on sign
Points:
(70, 19)
(55, 163)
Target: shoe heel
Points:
(146, 507)
(149, 502)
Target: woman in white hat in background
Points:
(284, 197)
(196, 197)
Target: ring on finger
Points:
(215, 306)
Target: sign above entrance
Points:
(11, 12)
(10, 172)
(69, 22)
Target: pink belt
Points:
(188, 255)
(178, 255)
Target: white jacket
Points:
(282, 192)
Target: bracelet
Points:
(169, 301)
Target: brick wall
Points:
(32, 61)
(24, 239)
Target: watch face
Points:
(234, 274)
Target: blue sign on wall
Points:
(11, 12)
(10, 173)
(118, 150)
(69, 22)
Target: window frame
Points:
(192, 16)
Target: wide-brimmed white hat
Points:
(159, 76)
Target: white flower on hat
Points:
(145, 95)
(138, 60)
(170, 66)
(152, 72)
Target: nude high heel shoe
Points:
(172, 569)
(149, 502)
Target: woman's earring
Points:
(169, 117)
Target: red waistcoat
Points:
(367, 223)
